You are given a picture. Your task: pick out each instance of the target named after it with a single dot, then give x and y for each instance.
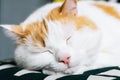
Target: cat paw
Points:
(69, 71)
(61, 67)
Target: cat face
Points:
(47, 39)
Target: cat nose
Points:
(65, 60)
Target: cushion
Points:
(10, 71)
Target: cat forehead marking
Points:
(79, 21)
(37, 31)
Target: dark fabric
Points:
(118, 0)
(9, 74)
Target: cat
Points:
(69, 38)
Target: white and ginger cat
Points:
(69, 38)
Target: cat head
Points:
(48, 39)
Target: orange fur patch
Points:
(79, 21)
(37, 31)
(109, 10)
(18, 30)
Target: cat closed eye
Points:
(42, 51)
(50, 51)
(67, 40)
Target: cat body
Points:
(69, 38)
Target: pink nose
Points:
(65, 60)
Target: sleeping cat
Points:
(69, 37)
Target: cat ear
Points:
(13, 31)
(69, 7)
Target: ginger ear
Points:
(13, 30)
(69, 7)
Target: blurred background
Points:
(14, 12)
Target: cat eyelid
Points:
(67, 40)
(46, 50)
(49, 51)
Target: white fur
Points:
(88, 48)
